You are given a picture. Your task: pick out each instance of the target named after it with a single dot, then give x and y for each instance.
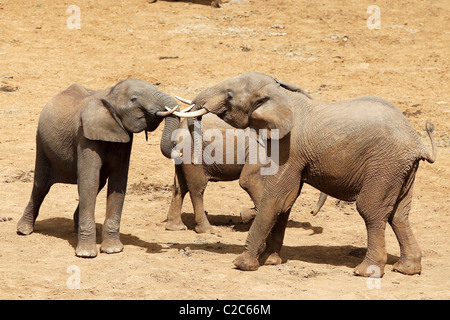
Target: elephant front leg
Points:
(258, 236)
(87, 189)
(274, 242)
(117, 186)
(174, 221)
(111, 226)
(89, 165)
(276, 203)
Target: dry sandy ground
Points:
(184, 47)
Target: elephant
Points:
(193, 178)
(362, 150)
(84, 137)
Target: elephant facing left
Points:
(84, 137)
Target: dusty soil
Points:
(184, 47)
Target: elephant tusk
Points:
(166, 113)
(185, 110)
(188, 108)
(184, 100)
(192, 114)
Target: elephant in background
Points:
(84, 137)
(362, 150)
(193, 178)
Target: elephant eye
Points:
(259, 102)
(133, 99)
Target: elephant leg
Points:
(252, 182)
(202, 224)
(410, 253)
(117, 187)
(77, 210)
(89, 164)
(375, 205)
(280, 193)
(274, 242)
(174, 221)
(41, 186)
(196, 183)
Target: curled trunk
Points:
(171, 124)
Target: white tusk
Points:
(185, 110)
(184, 100)
(192, 114)
(188, 108)
(166, 113)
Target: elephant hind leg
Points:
(375, 205)
(410, 253)
(41, 186)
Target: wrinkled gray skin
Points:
(193, 178)
(84, 137)
(361, 150)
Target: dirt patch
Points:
(183, 47)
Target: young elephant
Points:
(361, 150)
(85, 137)
(193, 178)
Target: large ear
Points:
(292, 87)
(100, 123)
(274, 113)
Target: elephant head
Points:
(130, 106)
(251, 100)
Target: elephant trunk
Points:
(211, 99)
(172, 123)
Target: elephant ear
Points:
(99, 122)
(292, 87)
(273, 113)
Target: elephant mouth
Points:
(223, 114)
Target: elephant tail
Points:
(429, 127)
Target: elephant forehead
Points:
(246, 87)
(132, 86)
(258, 79)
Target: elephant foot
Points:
(86, 250)
(204, 228)
(111, 246)
(367, 269)
(175, 226)
(248, 214)
(245, 262)
(274, 259)
(24, 227)
(408, 265)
